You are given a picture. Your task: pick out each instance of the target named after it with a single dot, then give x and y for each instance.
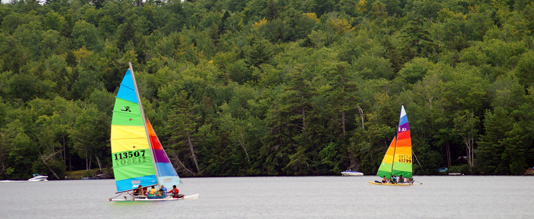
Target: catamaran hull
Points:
(134, 199)
(396, 184)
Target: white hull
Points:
(38, 178)
(144, 199)
(393, 184)
(351, 173)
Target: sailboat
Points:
(398, 158)
(138, 156)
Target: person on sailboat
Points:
(393, 180)
(138, 191)
(384, 180)
(401, 179)
(175, 192)
(152, 191)
(162, 190)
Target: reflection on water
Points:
(281, 197)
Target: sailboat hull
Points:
(351, 173)
(396, 184)
(144, 199)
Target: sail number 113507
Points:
(129, 154)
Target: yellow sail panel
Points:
(127, 132)
(403, 158)
(128, 145)
(127, 138)
(403, 150)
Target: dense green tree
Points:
(270, 87)
(85, 34)
(182, 129)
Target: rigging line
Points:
(418, 162)
(109, 199)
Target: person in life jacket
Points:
(162, 191)
(152, 191)
(175, 192)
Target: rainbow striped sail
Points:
(398, 158)
(387, 163)
(402, 162)
(137, 154)
(167, 176)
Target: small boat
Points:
(37, 177)
(398, 158)
(137, 154)
(351, 173)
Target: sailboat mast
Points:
(144, 119)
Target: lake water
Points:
(281, 197)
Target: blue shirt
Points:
(164, 190)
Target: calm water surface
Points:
(282, 197)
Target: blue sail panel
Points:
(132, 183)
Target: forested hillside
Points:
(270, 87)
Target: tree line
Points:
(270, 87)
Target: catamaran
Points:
(137, 154)
(398, 158)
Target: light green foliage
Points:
(53, 21)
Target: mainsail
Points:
(398, 158)
(402, 162)
(130, 148)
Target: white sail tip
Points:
(403, 112)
